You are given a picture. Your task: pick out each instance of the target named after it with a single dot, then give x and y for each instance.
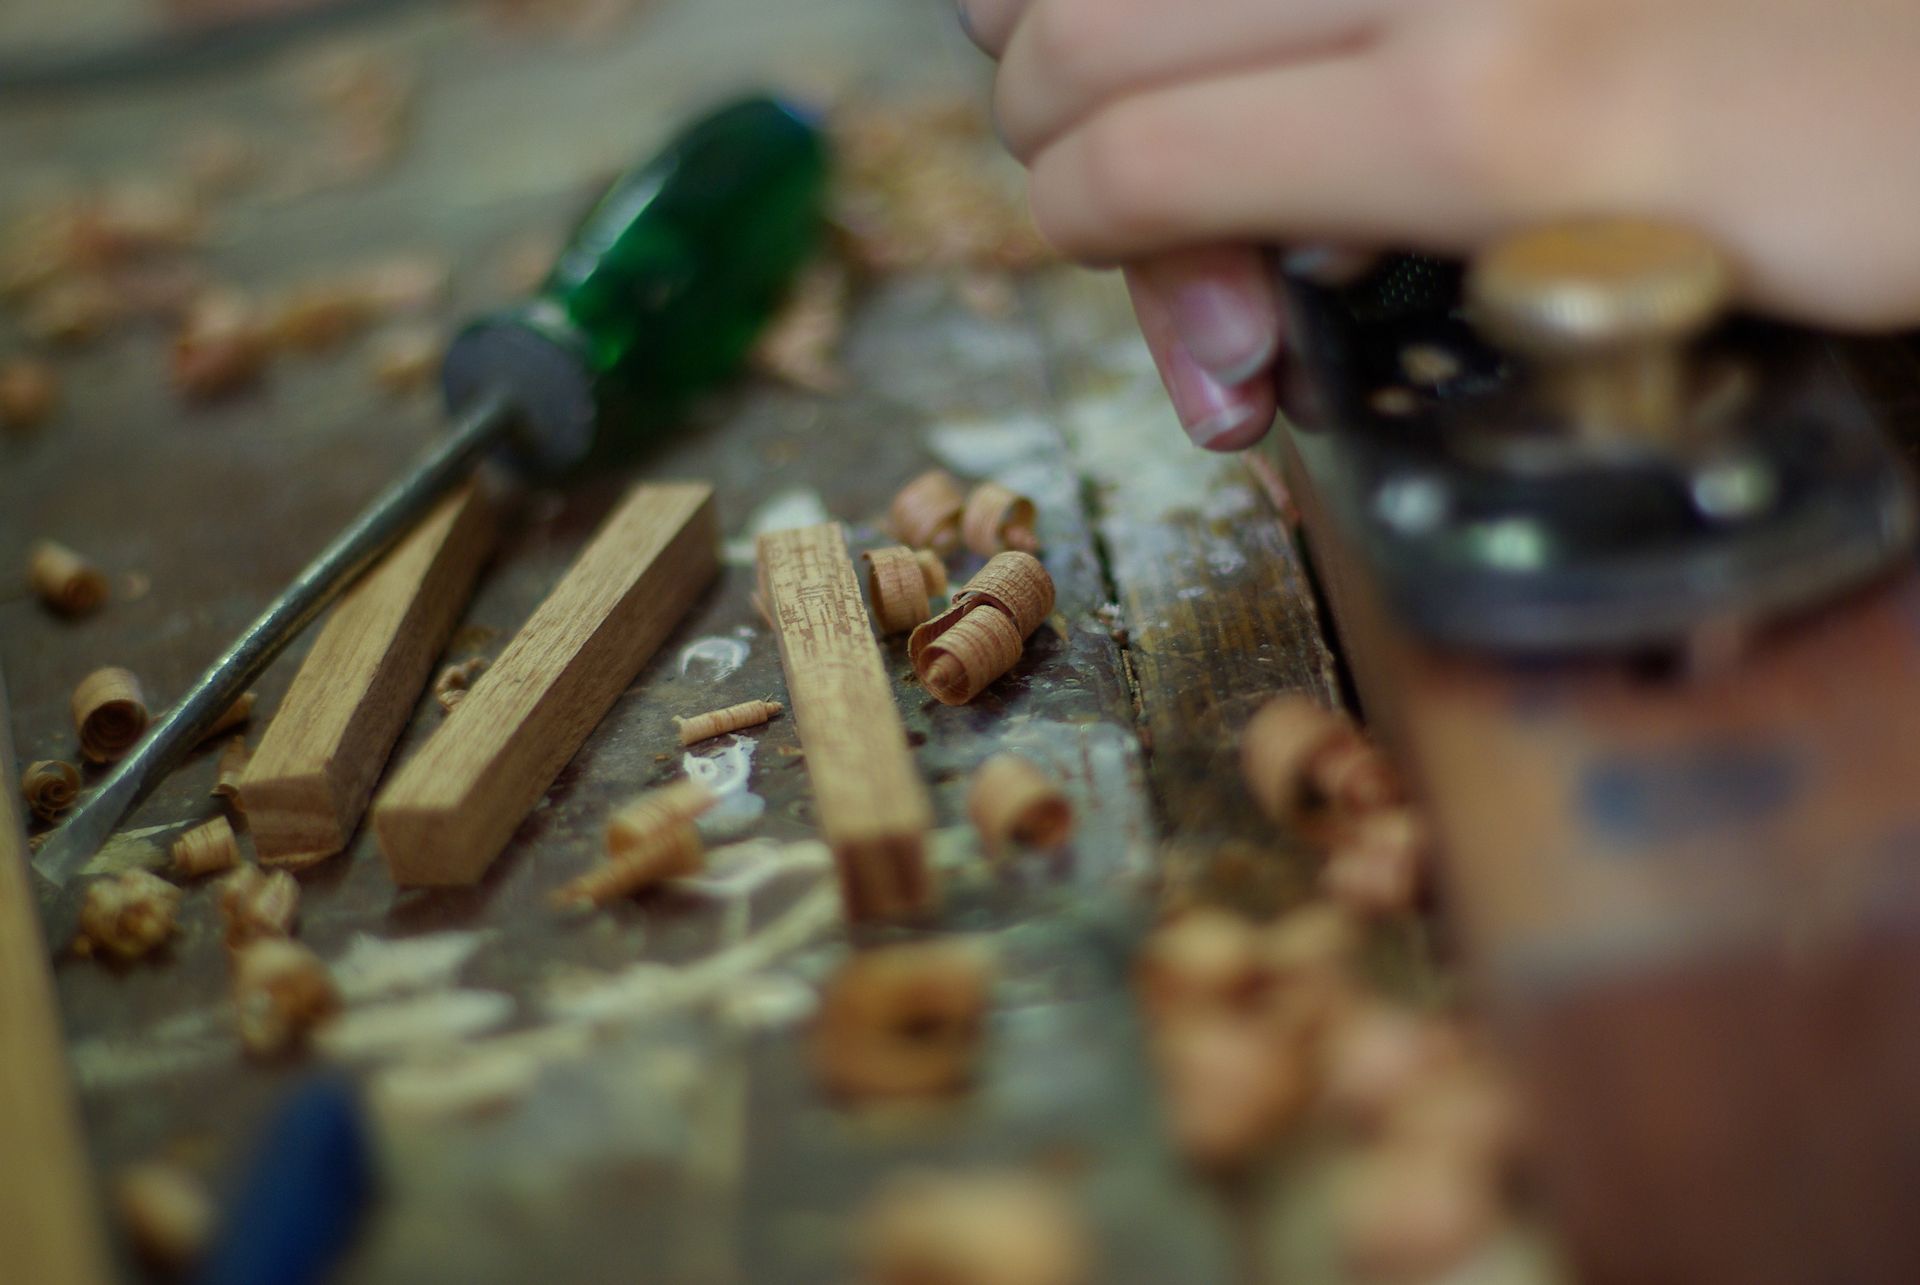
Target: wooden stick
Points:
(873, 808)
(51, 1229)
(450, 810)
(309, 782)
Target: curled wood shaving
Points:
(997, 519)
(670, 850)
(925, 513)
(1411, 1213)
(64, 580)
(453, 683)
(901, 584)
(800, 343)
(683, 800)
(980, 1228)
(258, 905)
(166, 1213)
(318, 315)
(205, 849)
(903, 1021)
(981, 635)
(1309, 768)
(1012, 801)
(281, 991)
(109, 713)
(1378, 868)
(29, 390)
(719, 722)
(221, 346)
(126, 916)
(50, 786)
(229, 772)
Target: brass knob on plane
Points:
(1604, 310)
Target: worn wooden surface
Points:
(658, 1116)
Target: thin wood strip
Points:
(451, 809)
(874, 811)
(316, 767)
(52, 1230)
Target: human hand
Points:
(1778, 127)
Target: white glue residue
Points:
(374, 968)
(726, 772)
(783, 512)
(445, 1017)
(712, 658)
(769, 1002)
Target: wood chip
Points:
(454, 681)
(1012, 801)
(109, 713)
(926, 512)
(997, 519)
(900, 586)
(256, 905)
(166, 1213)
(1379, 866)
(636, 821)
(233, 716)
(874, 810)
(281, 991)
(1231, 1088)
(126, 916)
(646, 858)
(903, 1021)
(230, 771)
(220, 347)
(982, 634)
(29, 391)
(318, 316)
(979, 1228)
(703, 727)
(64, 580)
(205, 849)
(50, 787)
(800, 343)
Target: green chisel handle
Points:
(661, 288)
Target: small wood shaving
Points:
(1012, 801)
(997, 519)
(1308, 767)
(982, 634)
(1377, 1054)
(205, 849)
(220, 347)
(72, 310)
(668, 851)
(235, 714)
(281, 991)
(630, 827)
(256, 905)
(50, 787)
(1378, 868)
(29, 391)
(454, 681)
(229, 772)
(126, 916)
(1411, 1214)
(903, 1020)
(719, 722)
(1230, 1087)
(980, 1228)
(319, 315)
(925, 513)
(405, 360)
(800, 343)
(109, 713)
(64, 580)
(403, 283)
(900, 586)
(166, 1213)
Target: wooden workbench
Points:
(656, 1120)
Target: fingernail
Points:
(1209, 410)
(1230, 335)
